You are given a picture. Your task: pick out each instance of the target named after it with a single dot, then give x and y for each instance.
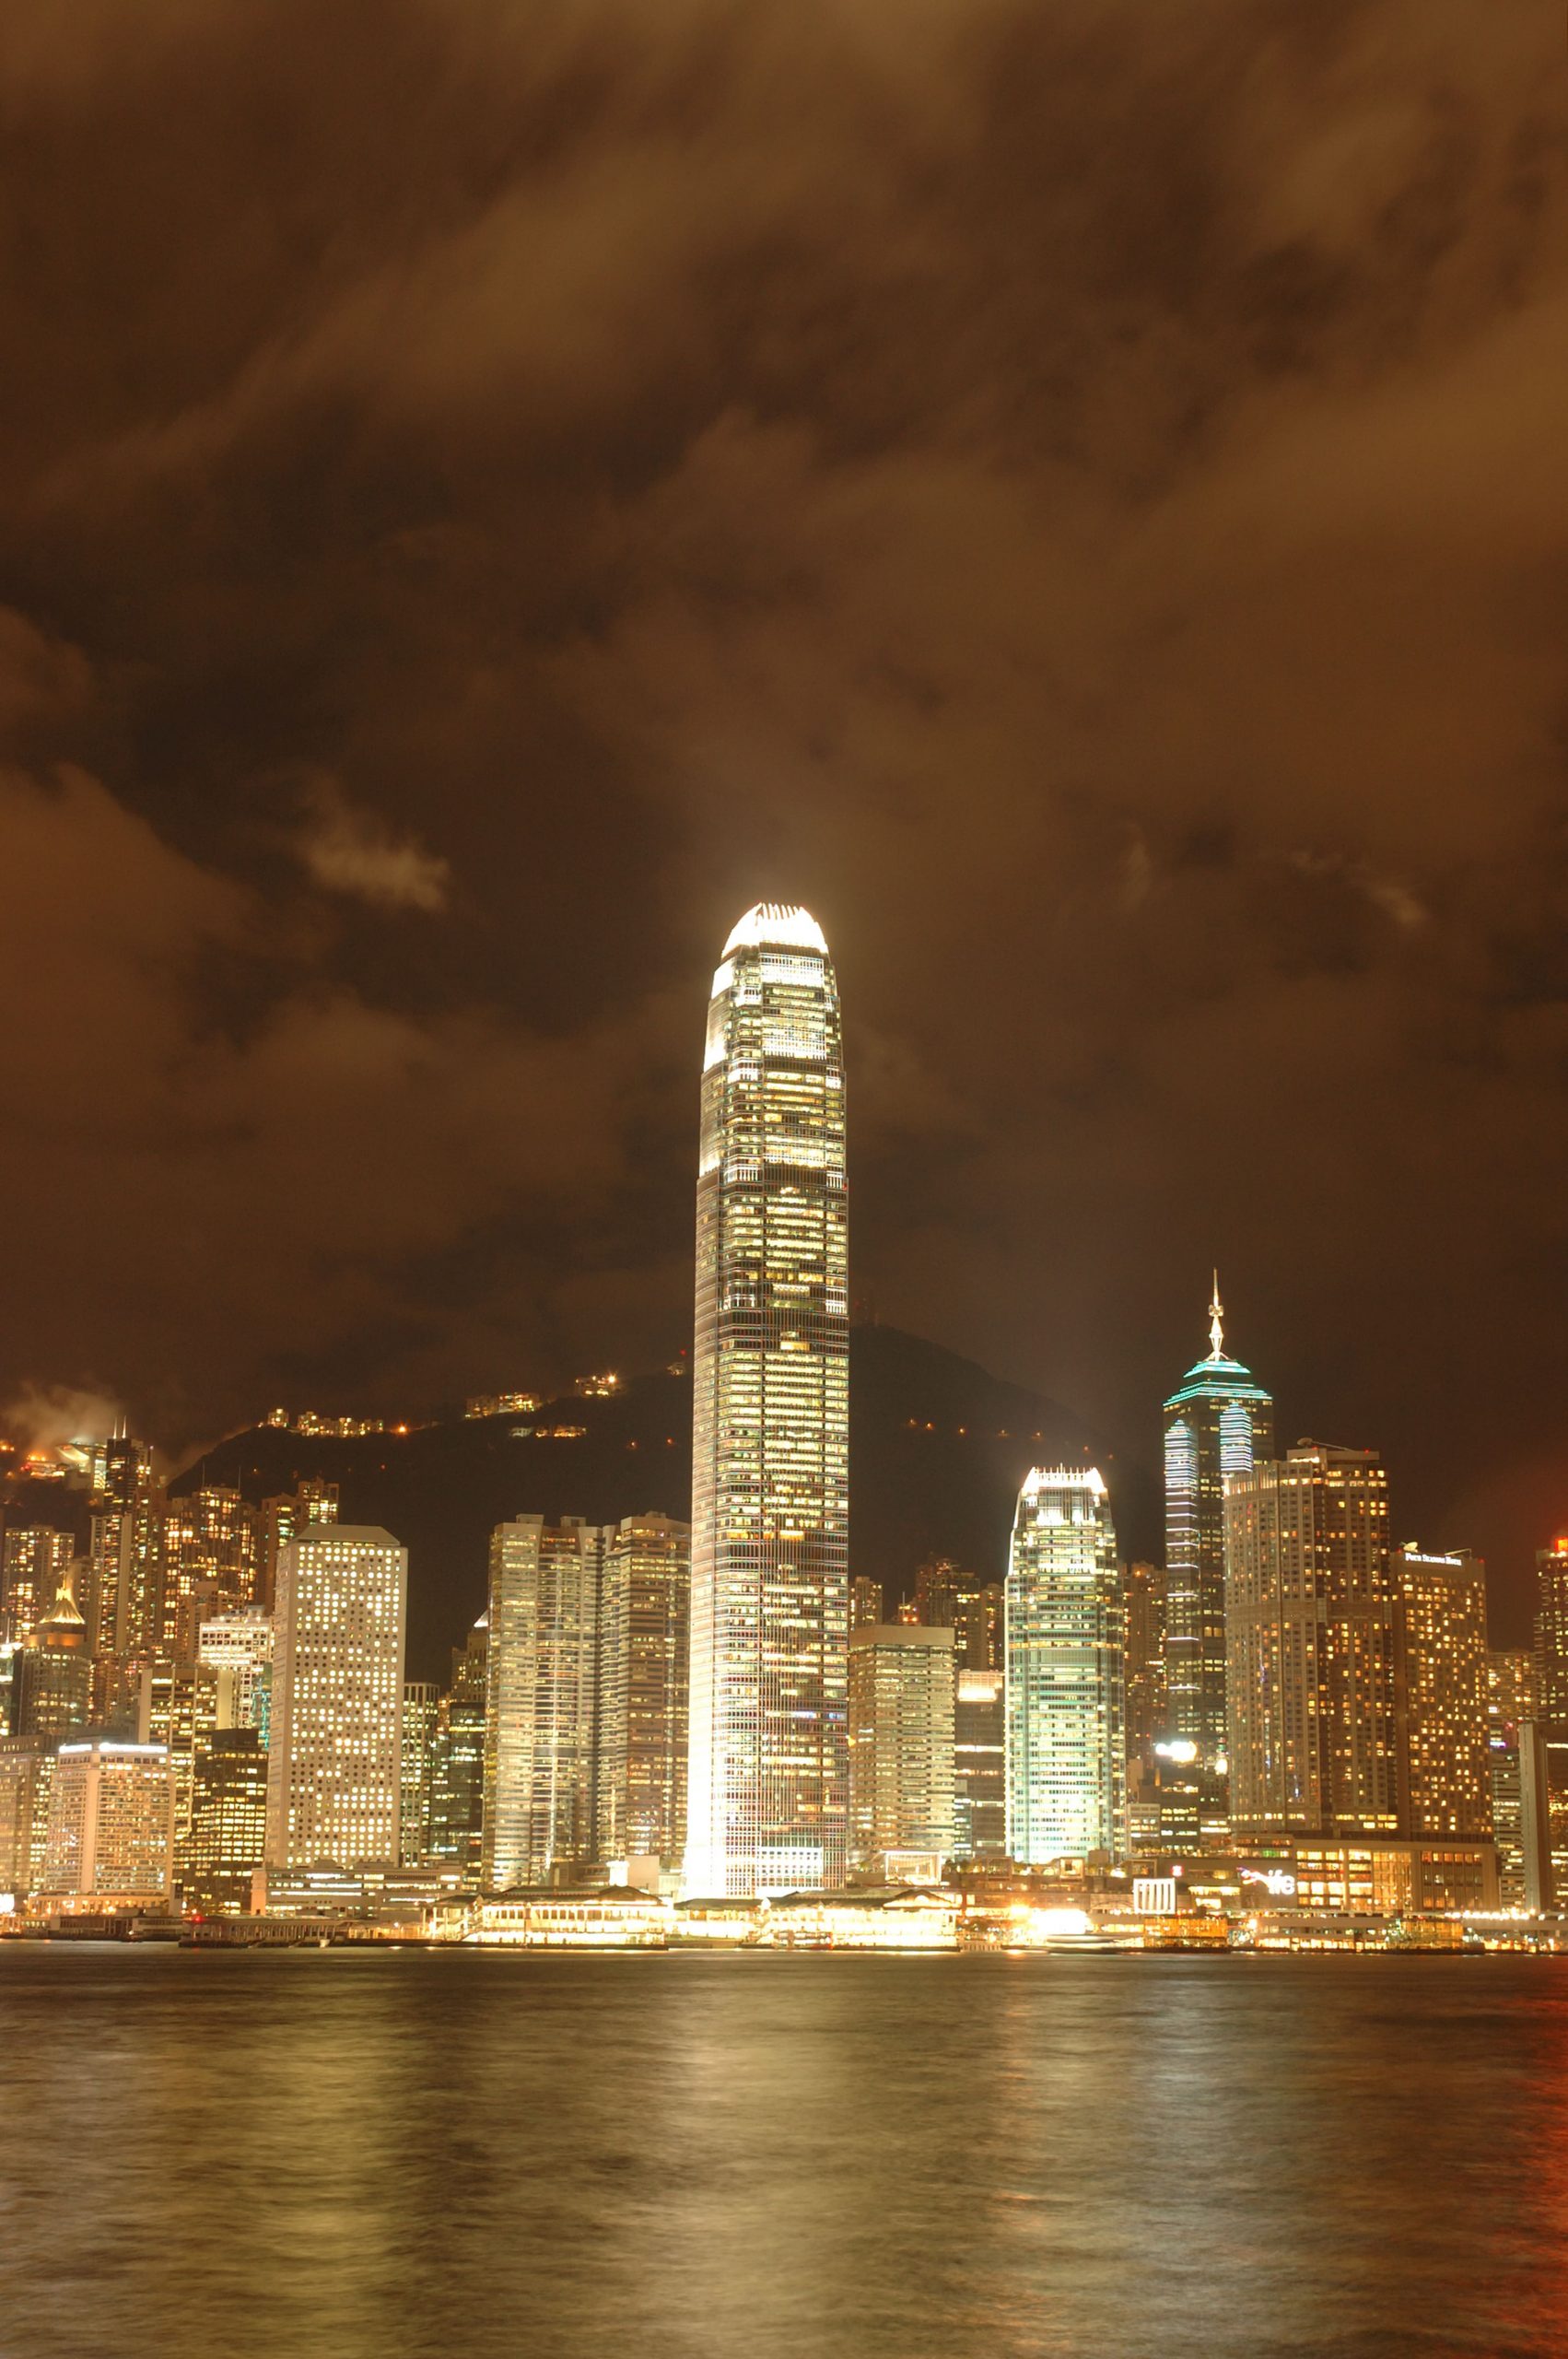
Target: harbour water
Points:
(364, 2154)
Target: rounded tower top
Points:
(779, 924)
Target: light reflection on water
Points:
(366, 2155)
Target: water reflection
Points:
(363, 2156)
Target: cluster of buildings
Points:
(713, 1732)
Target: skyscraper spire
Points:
(1216, 1330)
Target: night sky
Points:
(1076, 495)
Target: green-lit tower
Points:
(1218, 1422)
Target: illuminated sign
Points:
(1277, 1881)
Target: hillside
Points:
(937, 1450)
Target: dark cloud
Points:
(1078, 497)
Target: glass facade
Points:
(768, 1783)
(1065, 1640)
(1218, 1423)
(1443, 1690)
(901, 1698)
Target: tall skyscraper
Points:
(1065, 1640)
(1309, 1609)
(228, 1822)
(110, 1822)
(1442, 1681)
(1219, 1421)
(334, 1762)
(547, 1782)
(421, 1702)
(1143, 1587)
(651, 1557)
(768, 1786)
(233, 1657)
(52, 1671)
(126, 1550)
(209, 1562)
(901, 1698)
(457, 1758)
(33, 1559)
(948, 1598)
(980, 1764)
(1521, 1798)
(1551, 1674)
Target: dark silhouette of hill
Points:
(937, 1450)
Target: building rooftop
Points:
(779, 924)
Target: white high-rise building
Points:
(233, 1654)
(554, 1701)
(1066, 1753)
(767, 1776)
(336, 1721)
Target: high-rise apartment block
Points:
(209, 1559)
(946, 1597)
(335, 1759)
(1310, 1617)
(1441, 1661)
(1219, 1423)
(768, 1785)
(1143, 1589)
(650, 1564)
(1551, 1674)
(1065, 1640)
(902, 1699)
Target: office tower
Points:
(948, 1598)
(52, 1672)
(1551, 1674)
(1065, 1641)
(281, 1519)
(865, 1601)
(210, 1562)
(1313, 1723)
(1218, 1423)
(27, 1771)
(228, 1822)
(110, 1822)
(902, 1695)
(1143, 1589)
(1521, 1801)
(233, 1658)
(1440, 1686)
(651, 1557)
(125, 1551)
(33, 1559)
(175, 1709)
(421, 1701)
(980, 1764)
(333, 1760)
(457, 1758)
(768, 1783)
(552, 1741)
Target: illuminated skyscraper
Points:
(421, 1701)
(768, 1786)
(457, 1758)
(979, 1765)
(650, 1562)
(33, 1560)
(947, 1598)
(1065, 1640)
(1521, 1801)
(209, 1561)
(228, 1822)
(110, 1822)
(126, 1550)
(902, 1697)
(1218, 1422)
(1440, 1657)
(542, 1729)
(1309, 1610)
(334, 1762)
(52, 1672)
(1552, 1673)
